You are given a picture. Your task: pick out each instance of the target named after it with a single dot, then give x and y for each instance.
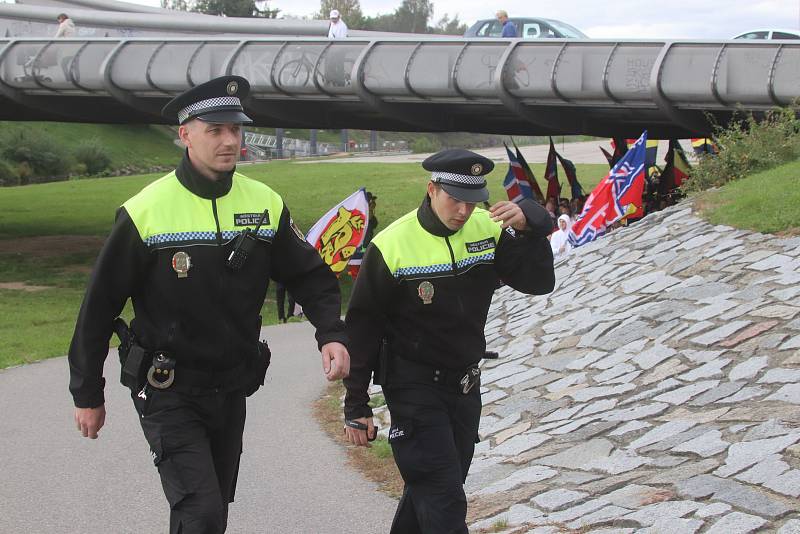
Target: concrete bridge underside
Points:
(604, 88)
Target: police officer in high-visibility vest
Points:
(416, 320)
(194, 251)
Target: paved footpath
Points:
(293, 479)
(577, 152)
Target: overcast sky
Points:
(693, 19)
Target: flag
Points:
(704, 146)
(680, 163)
(339, 233)
(651, 153)
(515, 182)
(620, 147)
(551, 174)
(608, 156)
(675, 171)
(572, 176)
(618, 195)
(537, 192)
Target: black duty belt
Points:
(167, 374)
(406, 371)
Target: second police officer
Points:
(195, 251)
(416, 322)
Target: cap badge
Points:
(181, 263)
(476, 169)
(232, 88)
(425, 291)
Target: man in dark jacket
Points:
(194, 251)
(416, 320)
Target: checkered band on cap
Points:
(217, 103)
(464, 180)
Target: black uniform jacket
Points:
(448, 332)
(210, 320)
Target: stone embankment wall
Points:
(657, 389)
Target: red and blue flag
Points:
(617, 196)
(515, 182)
(551, 174)
(528, 172)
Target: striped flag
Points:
(676, 170)
(515, 182)
(551, 174)
(537, 192)
(617, 196)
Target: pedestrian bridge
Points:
(594, 87)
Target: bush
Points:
(43, 154)
(747, 146)
(8, 174)
(422, 145)
(93, 155)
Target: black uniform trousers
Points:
(433, 435)
(280, 297)
(195, 441)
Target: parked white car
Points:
(770, 34)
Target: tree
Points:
(446, 26)
(177, 5)
(350, 11)
(380, 23)
(228, 8)
(413, 15)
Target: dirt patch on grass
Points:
(50, 246)
(789, 232)
(373, 462)
(707, 200)
(21, 286)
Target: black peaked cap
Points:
(218, 100)
(461, 173)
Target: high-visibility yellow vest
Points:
(166, 214)
(411, 252)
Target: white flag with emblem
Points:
(339, 233)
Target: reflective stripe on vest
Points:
(411, 252)
(166, 214)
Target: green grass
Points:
(767, 202)
(381, 448)
(137, 145)
(37, 325)
(377, 401)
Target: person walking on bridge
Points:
(194, 251)
(416, 320)
(337, 29)
(66, 28)
(509, 30)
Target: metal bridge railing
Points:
(548, 84)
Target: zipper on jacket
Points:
(221, 279)
(216, 221)
(452, 256)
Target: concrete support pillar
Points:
(373, 141)
(279, 143)
(312, 141)
(344, 140)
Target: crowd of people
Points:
(563, 212)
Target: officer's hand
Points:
(509, 214)
(90, 420)
(335, 361)
(359, 437)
